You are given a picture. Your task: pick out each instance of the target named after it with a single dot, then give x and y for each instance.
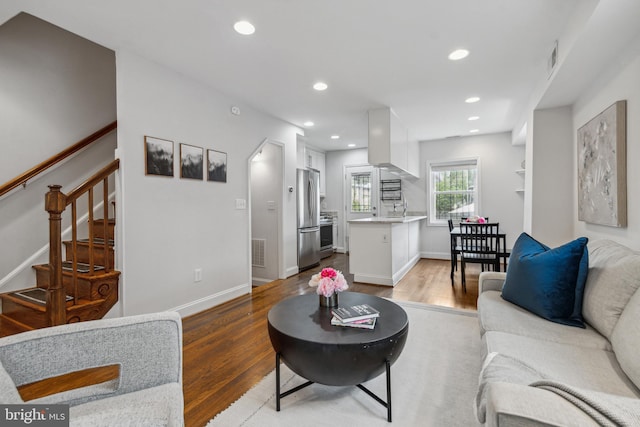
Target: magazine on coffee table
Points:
(369, 323)
(355, 312)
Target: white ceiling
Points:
(371, 53)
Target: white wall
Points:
(57, 88)
(171, 226)
(550, 166)
(619, 82)
(266, 196)
(499, 160)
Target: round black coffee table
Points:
(304, 339)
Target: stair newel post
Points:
(55, 204)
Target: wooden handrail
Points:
(93, 181)
(38, 169)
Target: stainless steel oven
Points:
(326, 237)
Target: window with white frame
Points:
(361, 192)
(453, 190)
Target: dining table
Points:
(503, 252)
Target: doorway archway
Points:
(266, 177)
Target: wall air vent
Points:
(257, 252)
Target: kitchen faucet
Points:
(405, 204)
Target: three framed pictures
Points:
(159, 160)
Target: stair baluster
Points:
(105, 214)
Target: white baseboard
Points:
(259, 281)
(291, 271)
(211, 300)
(385, 280)
(376, 280)
(405, 269)
(436, 255)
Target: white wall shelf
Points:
(521, 173)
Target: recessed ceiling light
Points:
(335, 136)
(474, 131)
(458, 54)
(308, 124)
(245, 28)
(472, 118)
(472, 99)
(320, 86)
(351, 145)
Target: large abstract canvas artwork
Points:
(602, 171)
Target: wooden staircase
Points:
(79, 285)
(89, 294)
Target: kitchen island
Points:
(383, 249)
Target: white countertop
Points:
(387, 220)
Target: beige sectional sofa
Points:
(537, 372)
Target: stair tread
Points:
(20, 299)
(26, 308)
(83, 273)
(23, 301)
(109, 221)
(67, 266)
(98, 243)
(10, 326)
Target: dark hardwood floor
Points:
(227, 349)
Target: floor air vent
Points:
(257, 252)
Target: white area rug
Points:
(433, 383)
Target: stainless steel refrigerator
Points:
(308, 186)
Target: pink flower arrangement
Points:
(328, 281)
(477, 219)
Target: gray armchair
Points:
(147, 349)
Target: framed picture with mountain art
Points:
(191, 162)
(602, 168)
(158, 154)
(216, 166)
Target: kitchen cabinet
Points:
(389, 144)
(316, 160)
(382, 250)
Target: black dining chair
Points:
(503, 252)
(455, 250)
(479, 244)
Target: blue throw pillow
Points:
(548, 282)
